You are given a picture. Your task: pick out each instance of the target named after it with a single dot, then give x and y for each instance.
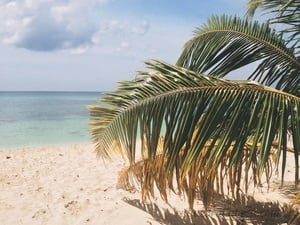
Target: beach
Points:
(67, 184)
(61, 185)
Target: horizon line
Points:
(50, 91)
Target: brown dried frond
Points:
(201, 180)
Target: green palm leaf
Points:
(286, 12)
(225, 44)
(206, 123)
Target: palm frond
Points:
(225, 44)
(164, 78)
(205, 122)
(228, 180)
(274, 6)
(286, 12)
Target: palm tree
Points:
(200, 134)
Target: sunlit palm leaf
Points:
(143, 89)
(206, 122)
(225, 44)
(286, 12)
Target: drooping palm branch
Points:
(212, 129)
(283, 12)
(225, 44)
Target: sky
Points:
(90, 45)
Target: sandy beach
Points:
(68, 185)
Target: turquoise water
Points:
(29, 119)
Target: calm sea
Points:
(29, 119)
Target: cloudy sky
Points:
(90, 45)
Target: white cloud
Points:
(124, 44)
(51, 25)
(79, 50)
(142, 28)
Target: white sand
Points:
(67, 185)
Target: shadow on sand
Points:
(224, 212)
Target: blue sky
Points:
(90, 45)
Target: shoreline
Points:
(68, 184)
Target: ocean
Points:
(31, 119)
